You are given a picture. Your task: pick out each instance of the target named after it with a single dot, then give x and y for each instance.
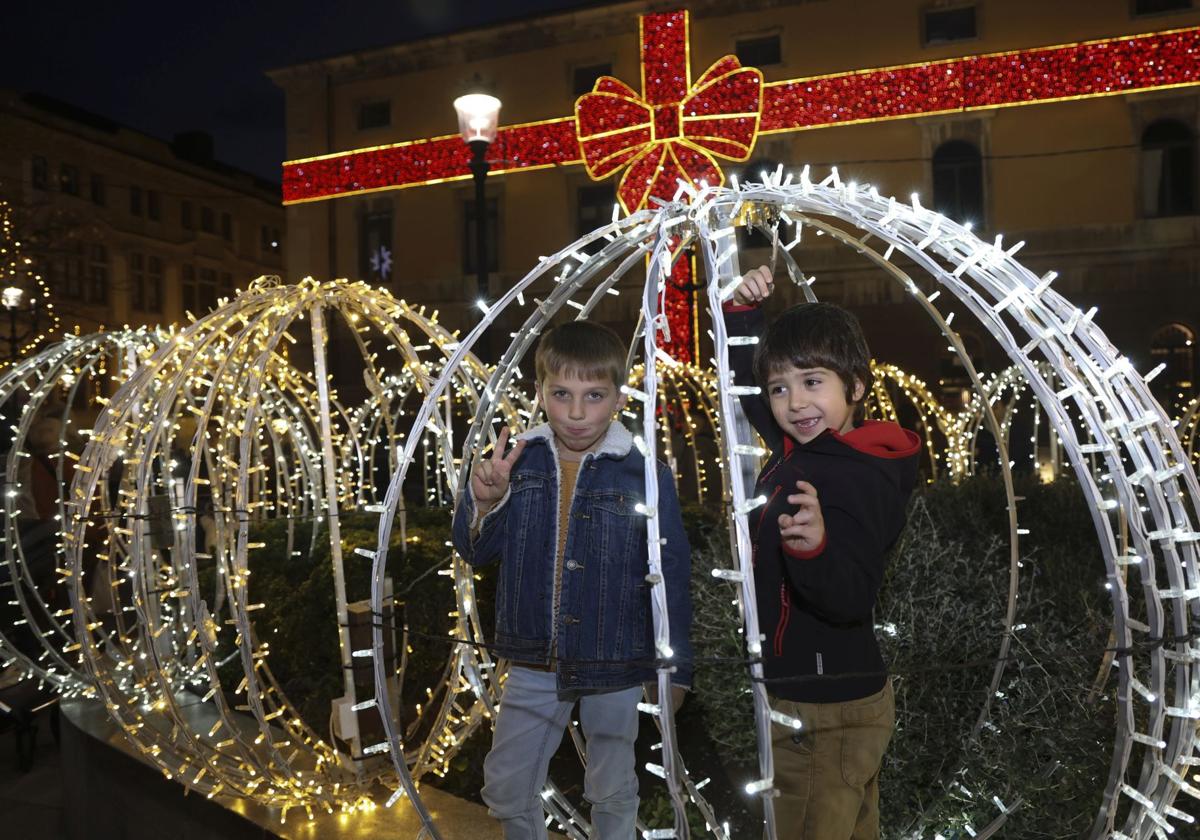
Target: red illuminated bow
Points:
(663, 144)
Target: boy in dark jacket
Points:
(560, 513)
(837, 487)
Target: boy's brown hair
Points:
(812, 335)
(583, 348)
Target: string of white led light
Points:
(1140, 456)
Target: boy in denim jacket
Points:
(837, 487)
(572, 601)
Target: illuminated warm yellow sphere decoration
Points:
(1189, 429)
(1007, 396)
(937, 426)
(52, 396)
(688, 427)
(18, 271)
(218, 431)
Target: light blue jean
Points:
(529, 729)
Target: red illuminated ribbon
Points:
(1095, 68)
(673, 131)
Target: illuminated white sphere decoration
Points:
(1122, 448)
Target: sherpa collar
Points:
(617, 440)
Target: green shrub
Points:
(939, 618)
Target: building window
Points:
(492, 244)
(185, 216)
(759, 52)
(68, 179)
(269, 239)
(1158, 7)
(39, 172)
(958, 182)
(226, 227)
(154, 284)
(374, 114)
(207, 220)
(594, 207)
(69, 280)
(153, 205)
(1168, 169)
(188, 289)
(145, 283)
(207, 291)
(943, 26)
(1175, 346)
(137, 281)
(583, 79)
(202, 288)
(97, 274)
(98, 194)
(135, 201)
(375, 245)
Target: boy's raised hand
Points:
(489, 479)
(805, 529)
(756, 286)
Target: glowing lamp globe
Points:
(478, 117)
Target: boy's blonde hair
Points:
(583, 348)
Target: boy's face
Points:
(807, 401)
(579, 410)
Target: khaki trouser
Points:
(827, 774)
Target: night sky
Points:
(169, 67)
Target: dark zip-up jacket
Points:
(816, 609)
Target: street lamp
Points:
(18, 303)
(12, 302)
(478, 119)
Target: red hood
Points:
(880, 438)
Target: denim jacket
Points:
(605, 634)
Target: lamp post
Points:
(11, 298)
(478, 119)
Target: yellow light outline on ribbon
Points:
(766, 86)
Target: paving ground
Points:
(32, 805)
(31, 802)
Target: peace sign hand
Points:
(489, 479)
